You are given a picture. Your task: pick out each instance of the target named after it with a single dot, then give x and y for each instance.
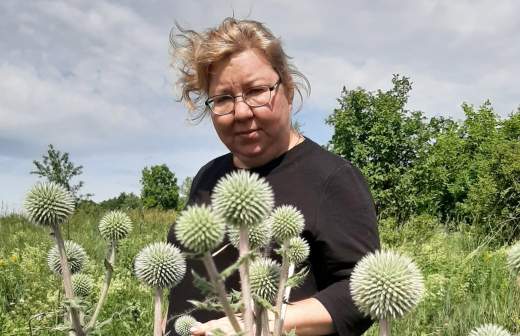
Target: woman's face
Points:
(254, 135)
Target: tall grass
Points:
(466, 278)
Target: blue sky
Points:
(93, 77)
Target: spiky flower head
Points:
(259, 235)
(76, 257)
(160, 265)
(513, 259)
(184, 323)
(200, 229)
(115, 225)
(243, 198)
(286, 222)
(386, 284)
(264, 275)
(49, 204)
(297, 250)
(81, 284)
(489, 330)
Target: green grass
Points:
(466, 278)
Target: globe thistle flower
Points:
(184, 323)
(81, 284)
(513, 259)
(49, 204)
(489, 330)
(297, 250)
(385, 284)
(76, 257)
(259, 235)
(160, 265)
(243, 198)
(286, 222)
(264, 275)
(200, 229)
(115, 225)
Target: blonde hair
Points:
(194, 53)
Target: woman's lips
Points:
(249, 134)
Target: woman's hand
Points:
(223, 324)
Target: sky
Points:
(93, 77)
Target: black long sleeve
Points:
(340, 227)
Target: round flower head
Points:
(184, 323)
(200, 229)
(49, 204)
(297, 250)
(286, 222)
(160, 265)
(259, 235)
(264, 275)
(243, 198)
(76, 257)
(385, 284)
(81, 284)
(115, 225)
(513, 259)
(489, 330)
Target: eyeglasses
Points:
(254, 97)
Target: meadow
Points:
(466, 276)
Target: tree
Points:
(159, 187)
(57, 168)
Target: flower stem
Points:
(67, 282)
(244, 279)
(384, 327)
(284, 275)
(157, 323)
(211, 268)
(106, 284)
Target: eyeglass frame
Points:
(271, 89)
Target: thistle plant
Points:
(82, 284)
(264, 274)
(244, 200)
(287, 222)
(513, 261)
(75, 255)
(113, 227)
(200, 229)
(489, 330)
(259, 235)
(159, 265)
(386, 285)
(49, 204)
(184, 323)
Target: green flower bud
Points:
(513, 259)
(160, 265)
(115, 225)
(286, 222)
(76, 257)
(243, 198)
(200, 229)
(264, 275)
(385, 284)
(81, 284)
(184, 323)
(49, 204)
(259, 235)
(297, 250)
(489, 330)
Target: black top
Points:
(340, 227)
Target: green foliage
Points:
(159, 188)
(184, 192)
(56, 167)
(124, 201)
(465, 171)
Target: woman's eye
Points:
(256, 91)
(222, 100)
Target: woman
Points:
(241, 73)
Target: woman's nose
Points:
(242, 110)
